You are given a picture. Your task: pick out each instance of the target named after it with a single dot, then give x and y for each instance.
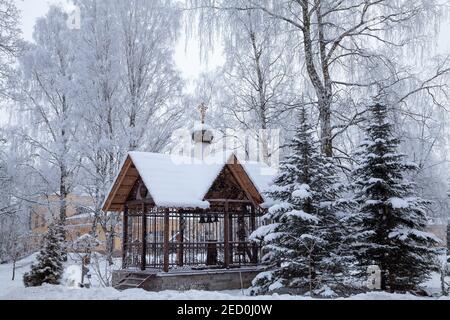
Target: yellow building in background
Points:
(79, 222)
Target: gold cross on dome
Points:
(203, 109)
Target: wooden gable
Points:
(226, 187)
(233, 183)
(122, 187)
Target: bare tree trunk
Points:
(63, 210)
(110, 247)
(262, 110)
(108, 227)
(63, 195)
(322, 86)
(325, 98)
(310, 278)
(444, 290)
(326, 129)
(64, 177)
(64, 192)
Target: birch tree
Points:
(10, 41)
(344, 44)
(147, 32)
(49, 91)
(128, 92)
(257, 78)
(98, 106)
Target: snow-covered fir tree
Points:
(61, 234)
(390, 220)
(302, 237)
(49, 267)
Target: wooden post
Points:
(144, 238)
(253, 228)
(166, 240)
(180, 252)
(124, 237)
(226, 229)
(230, 235)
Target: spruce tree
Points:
(49, 267)
(61, 233)
(391, 219)
(302, 236)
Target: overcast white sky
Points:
(188, 61)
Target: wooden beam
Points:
(241, 176)
(138, 202)
(117, 184)
(133, 172)
(226, 233)
(166, 240)
(230, 237)
(180, 253)
(229, 201)
(144, 238)
(253, 228)
(124, 237)
(116, 204)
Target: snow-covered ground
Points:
(14, 290)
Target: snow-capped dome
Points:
(202, 133)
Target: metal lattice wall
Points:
(190, 239)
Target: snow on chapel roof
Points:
(175, 184)
(175, 181)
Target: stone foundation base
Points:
(207, 280)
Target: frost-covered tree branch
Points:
(340, 41)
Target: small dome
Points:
(202, 133)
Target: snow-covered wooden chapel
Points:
(186, 223)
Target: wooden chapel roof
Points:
(174, 183)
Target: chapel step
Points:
(133, 281)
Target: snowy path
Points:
(14, 290)
(64, 293)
